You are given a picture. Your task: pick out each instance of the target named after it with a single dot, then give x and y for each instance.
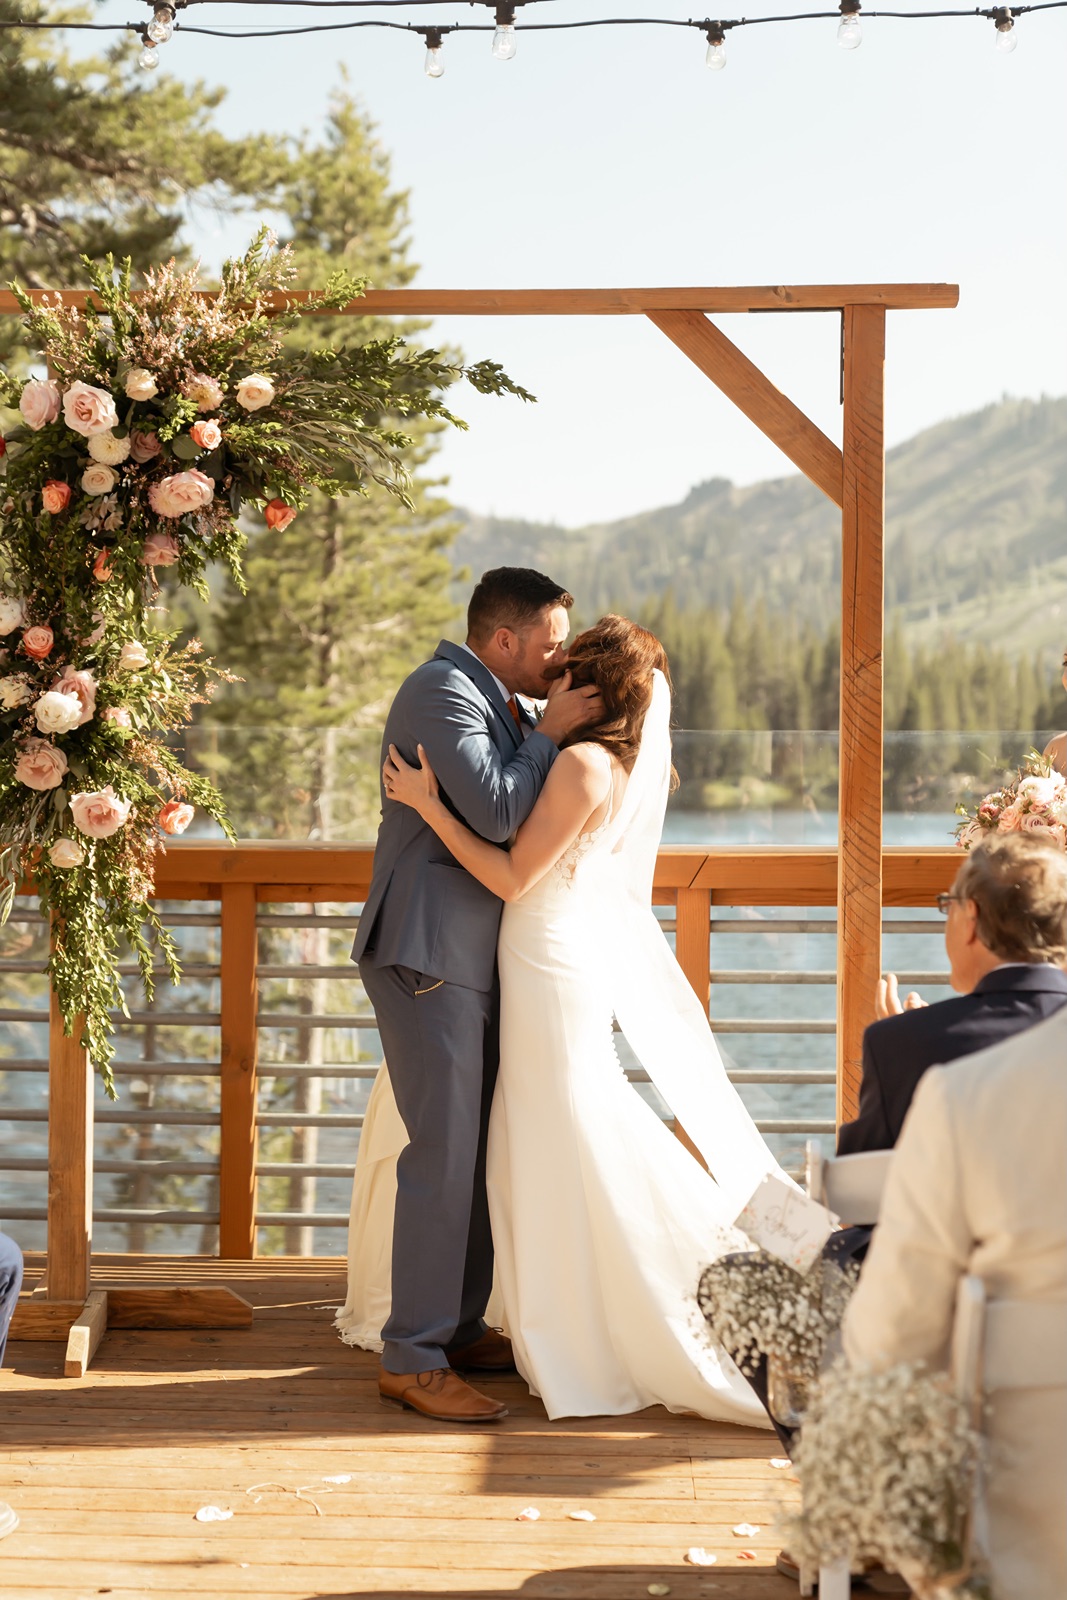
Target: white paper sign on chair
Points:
(782, 1220)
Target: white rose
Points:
(140, 384)
(133, 656)
(15, 690)
(66, 853)
(12, 613)
(106, 448)
(254, 391)
(57, 712)
(99, 479)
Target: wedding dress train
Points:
(602, 1220)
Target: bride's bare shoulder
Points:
(587, 764)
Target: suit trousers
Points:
(10, 1284)
(442, 1046)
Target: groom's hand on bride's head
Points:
(569, 710)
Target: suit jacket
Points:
(898, 1050)
(979, 1184)
(423, 909)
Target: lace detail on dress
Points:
(567, 865)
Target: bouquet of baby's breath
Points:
(756, 1305)
(165, 412)
(886, 1463)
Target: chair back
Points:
(849, 1186)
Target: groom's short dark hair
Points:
(511, 597)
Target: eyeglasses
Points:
(944, 901)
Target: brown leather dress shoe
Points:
(441, 1394)
(490, 1352)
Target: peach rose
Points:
(160, 550)
(119, 715)
(89, 410)
(208, 435)
(102, 568)
(144, 446)
(109, 448)
(254, 392)
(1010, 818)
(205, 390)
(98, 479)
(99, 813)
(37, 642)
(40, 765)
(278, 515)
(55, 496)
(140, 384)
(81, 683)
(175, 816)
(181, 493)
(66, 853)
(39, 403)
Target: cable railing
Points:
(242, 1099)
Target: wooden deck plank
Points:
(107, 1478)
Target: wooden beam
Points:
(595, 302)
(179, 1306)
(237, 1114)
(70, 1160)
(754, 394)
(41, 1319)
(86, 1334)
(859, 881)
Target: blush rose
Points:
(99, 813)
(39, 403)
(140, 384)
(175, 816)
(73, 680)
(66, 853)
(133, 656)
(89, 410)
(254, 392)
(119, 715)
(40, 765)
(98, 479)
(181, 493)
(144, 446)
(160, 550)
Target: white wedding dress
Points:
(602, 1220)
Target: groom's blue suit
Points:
(426, 947)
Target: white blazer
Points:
(978, 1184)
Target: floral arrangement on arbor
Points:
(886, 1463)
(1035, 803)
(165, 412)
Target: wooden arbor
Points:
(853, 478)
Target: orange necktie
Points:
(514, 709)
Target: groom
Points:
(426, 948)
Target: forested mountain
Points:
(976, 539)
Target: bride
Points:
(602, 1220)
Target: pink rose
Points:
(37, 642)
(89, 410)
(208, 435)
(181, 494)
(102, 568)
(118, 715)
(175, 816)
(204, 389)
(40, 765)
(1035, 822)
(1058, 831)
(278, 515)
(144, 446)
(160, 550)
(55, 496)
(39, 403)
(1010, 818)
(82, 684)
(99, 813)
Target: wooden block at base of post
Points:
(86, 1334)
(180, 1306)
(41, 1319)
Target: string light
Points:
(849, 33)
(1004, 23)
(161, 28)
(149, 56)
(434, 65)
(715, 59)
(504, 40)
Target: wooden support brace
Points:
(86, 1334)
(70, 1161)
(754, 394)
(41, 1319)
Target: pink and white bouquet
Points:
(1035, 803)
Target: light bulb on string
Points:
(434, 65)
(149, 57)
(161, 28)
(715, 59)
(505, 40)
(1005, 26)
(849, 33)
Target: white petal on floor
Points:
(213, 1514)
(697, 1557)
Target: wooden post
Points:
(70, 1161)
(692, 946)
(859, 875)
(237, 1115)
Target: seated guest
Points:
(979, 1185)
(10, 1284)
(1004, 936)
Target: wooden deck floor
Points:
(107, 1473)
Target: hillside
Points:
(976, 536)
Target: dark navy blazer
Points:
(897, 1050)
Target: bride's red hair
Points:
(619, 657)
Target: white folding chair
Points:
(849, 1186)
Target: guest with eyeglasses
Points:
(1006, 942)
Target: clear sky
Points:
(613, 157)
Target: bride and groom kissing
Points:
(508, 927)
